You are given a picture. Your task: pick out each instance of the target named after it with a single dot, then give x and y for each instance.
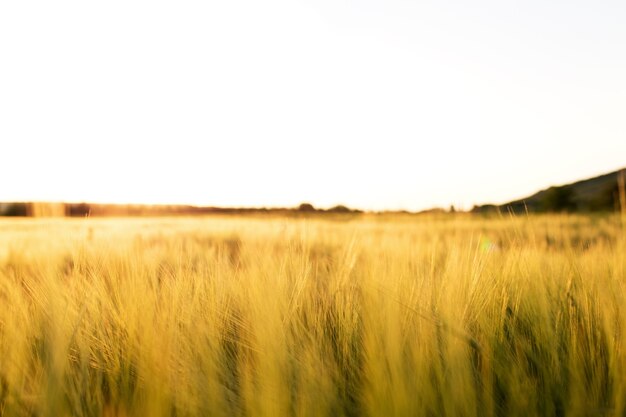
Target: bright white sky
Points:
(373, 103)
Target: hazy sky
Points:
(372, 104)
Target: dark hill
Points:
(601, 193)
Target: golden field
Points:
(447, 315)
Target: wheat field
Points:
(323, 316)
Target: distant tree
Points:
(607, 200)
(452, 209)
(558, 199)
(306, 207)
(79, 210)
(486, 208)
(17, 210)
(339, 209)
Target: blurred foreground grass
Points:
(404, 316)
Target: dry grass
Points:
(428, 316)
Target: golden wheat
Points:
(348, 316)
